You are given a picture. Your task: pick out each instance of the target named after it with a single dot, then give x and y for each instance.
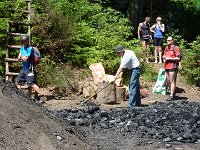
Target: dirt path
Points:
(184, 91)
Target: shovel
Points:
(97, 92)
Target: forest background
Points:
(74, 34)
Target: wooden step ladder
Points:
(9, 75)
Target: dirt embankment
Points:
(25, 125)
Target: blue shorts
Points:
(26, 76)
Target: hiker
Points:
(26, 74)
(171, 58)
(158, 29)
(130, 61)
(145, 36)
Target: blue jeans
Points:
(135, 99)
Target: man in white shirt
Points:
(130, 61)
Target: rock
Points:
(173, 121)
(72, 122)
(167, 145)
(168, 139)
(80, 121)
(143, 128)
(59, 137)
(91, 108)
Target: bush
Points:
(84, 32)
(190, 66)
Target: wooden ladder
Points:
(9, 75)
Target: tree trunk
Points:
(135, 13)
(120, 94)
(107, 93)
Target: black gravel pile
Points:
(8, 89)
(174, 121)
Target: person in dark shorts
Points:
(145, 36)
(158, 29)
(26, 73)
(171, 58)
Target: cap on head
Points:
(119, 48)
(159, 19)
(24, 38)
(169, 38)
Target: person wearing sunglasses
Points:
(171, 59)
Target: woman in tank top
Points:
(144, 35)
(158, 29)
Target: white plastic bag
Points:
(160, 86)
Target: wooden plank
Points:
(19, 22)
(25, 11)
(11, 60)
(18, 34)
(14, 46)
(16, 10)
(11, 74)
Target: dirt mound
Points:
(25, 125)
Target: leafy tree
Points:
(184, 16)
(88, 32)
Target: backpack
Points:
(181, 55)
(36, 56)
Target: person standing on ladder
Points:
(145, 36)
(26, 74)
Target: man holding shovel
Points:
(130, 61)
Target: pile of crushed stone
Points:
(25, 125)
(173, 121)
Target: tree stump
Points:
(107, 93)
(120, 94)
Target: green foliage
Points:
(2, 43)
(61, 76)
(9, 10)
(52, 29)
(190, 63)
(184, 16)
(178, 39)
(48, 71)
(82, 33)
(148, 72)
(191, 5)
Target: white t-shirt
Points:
(129, 60)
